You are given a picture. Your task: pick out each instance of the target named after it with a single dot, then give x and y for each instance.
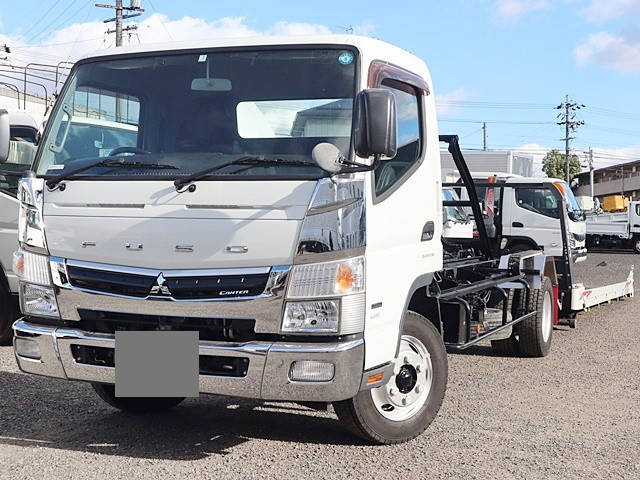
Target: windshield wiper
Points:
(247, 160)
(106, 162)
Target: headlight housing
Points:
(326, 298)
(37, 295)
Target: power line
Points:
(63, 11)
(160, 20)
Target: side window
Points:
(22, 149)
(538, 200)
(638, 209)
(408, 131)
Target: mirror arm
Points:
(360, 167)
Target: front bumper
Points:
(267, 374)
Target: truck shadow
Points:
(42, 412)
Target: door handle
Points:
(427, 231)
(517, 224)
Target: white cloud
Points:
(600, 11)
(616, 51)
(446, 103)
(513, 10)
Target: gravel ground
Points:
(573, 414)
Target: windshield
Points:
(197, 110)
(571, 199)
(455, 214)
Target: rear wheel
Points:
(636, 245)
(8, 313)
(534, 333)
(404, 407)
(137, 405)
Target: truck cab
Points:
(531, 217)
(23, 134)
(281, 199)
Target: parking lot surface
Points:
(573, 414)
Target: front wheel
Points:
(403, 408)
(137, 405)
(636, 245)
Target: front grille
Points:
(129, 284)
(217, 286)
(208, 365)
(179, 288)
(209, 329)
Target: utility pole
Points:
(484, 136)
(591, 171)
(568, 119)
(134, 6)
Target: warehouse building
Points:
(621, 179)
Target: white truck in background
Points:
(615, 230)
(23, 134)
(542, 213)
(294, 223)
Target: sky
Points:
(506, 62)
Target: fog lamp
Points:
(311, 371)
(25, 347)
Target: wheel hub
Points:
(406, 378)
(407, 390)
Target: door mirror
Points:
(375, 117)
(5, 135)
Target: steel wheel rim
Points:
(546, 317)
(401, 398)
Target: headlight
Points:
(37, 296)
(38, 300)
(327, 279)
(30, 224)
(311, 317)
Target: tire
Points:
(508, 346)
(426, 367)
(636, 244)
(8, 314)
(535, 333)
(136, 405)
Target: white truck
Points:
(23, 132)
(542, 213)
(282, 198)
(615, 230)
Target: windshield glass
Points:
(198, 110)
(571, 199)
(455, 214)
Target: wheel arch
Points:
(418, 301)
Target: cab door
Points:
(634, 217)
(21, 153)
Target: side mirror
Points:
(5, 135)
(375, 117)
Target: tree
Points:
(553, 165)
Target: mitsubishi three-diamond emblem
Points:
(160, 288)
